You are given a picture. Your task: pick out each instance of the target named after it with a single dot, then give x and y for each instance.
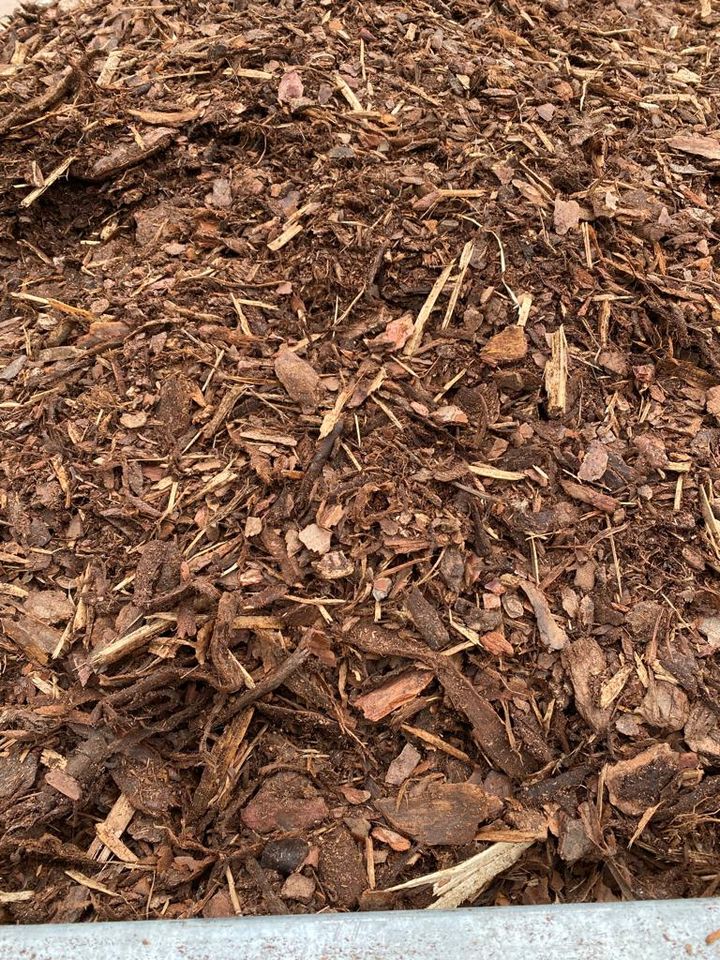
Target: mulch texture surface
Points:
(359, 416)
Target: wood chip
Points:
(49, 180)
(168, 118)
(508, 346)
(16, 896)
(463, 882)
(494, 473)
(91, 884)
(434, 741)
(114, 825)
(393, 694)
(556, 371)
(594, 498)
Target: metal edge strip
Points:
(643, 930)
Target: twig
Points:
(320, 457)
(556, 371)
(427, 308)
(49, 181)
(40, 104)
(272, 681)
(465, 258)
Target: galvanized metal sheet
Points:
(658, 930)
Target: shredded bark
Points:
(360, 419)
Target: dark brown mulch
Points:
(360, 387)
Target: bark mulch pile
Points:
(359, 504)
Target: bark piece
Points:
(444, 814)
(426, 619)
(231, 675)
(131, 154)
(289, 569)
(52, 95)
(290, 87)
(566, 215)
(160, 222)
(158, 571)
(508, 346)
(64, 783)
(552, 634)
(133, 421)
(452, 568)
(298, 887)
(50, 606)
(353, 795)
(36, 640)
(707, 147)
(644, 619)
(712, 401)
(393, 694)
(398, 331)
(665, 706)
(216, 774)
(299, 379)
(449, 414)
(146, 782)
(12, 369)
(710, 628)
(392, 839)
(334, 566)
(341, 867)
(594, 462)
(585, 662)
(219, 905)
(636, 784)
(496, 644)
(286, 801)
(573, 842)
(16, 776)
(403, 765)
(483, 621)
(315, 538)
(600, 501)
(702, 731)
